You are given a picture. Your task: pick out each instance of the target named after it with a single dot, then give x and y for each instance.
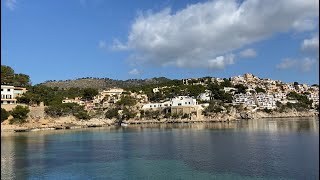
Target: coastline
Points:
(93, 123)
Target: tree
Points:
(128, 114)
(295, 83)
(4, 114)
(7, 75)
(126, 101)
(21, 80)
(19, 114)
(10, 78)
(241, 88)
(64, 109)
(112, 113)
(89, 93)
(226, 83)
(195, 90)
(258, 89)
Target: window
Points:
(189, 102)
(1, 89)
(179, 104)
(8, 90)
(151, 106)
(185, 103)
(155, 106)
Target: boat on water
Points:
(124, 123)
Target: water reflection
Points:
(270, 125)
(268, 146)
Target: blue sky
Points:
(60, 40)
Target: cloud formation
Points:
(248, 53)
(204, 35)
(11, 4)
(304, 65)
(134, 72)
(311, 45)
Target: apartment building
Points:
(245, 99)
(265, 101)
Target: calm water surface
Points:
(254, 149)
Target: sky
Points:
(122, 39)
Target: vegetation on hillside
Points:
(4, 115)
(19, 114)
(9, 77)
(103, 83)
(66, 109)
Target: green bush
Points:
(128, 114)
(112, 113)
(175, 115)
(82, 115)
(152, 114)
(65, 109)
(126, 101)
(258, 90)
(185, 116)
(4, 114)
(267, 110)
(19, 114)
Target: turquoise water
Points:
(254, 149)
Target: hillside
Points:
(102, 83)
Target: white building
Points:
(280, 96)
(75, 100)
(314, 97)
(110, 95)
(177, 101)
(246, 99)
(183, 101)
(229, 89)
(155, 90)
(205, 96)
(10, 93)
(7, 95)
(265, 101)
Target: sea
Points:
(249, 149)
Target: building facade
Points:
(10, 93)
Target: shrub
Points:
(4, 114)
(19, 114)
(65, 109)
(128, 114)
(126, 101)
(267, 110)
(185, 116)
(82, 115)
(112, 113)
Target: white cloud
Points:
(248, 53)
(311, 45)
(102, 44)
(287, 64)
(11, 4)
(305, 25)
(199, 35)
(304, 64)
(134, 72)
